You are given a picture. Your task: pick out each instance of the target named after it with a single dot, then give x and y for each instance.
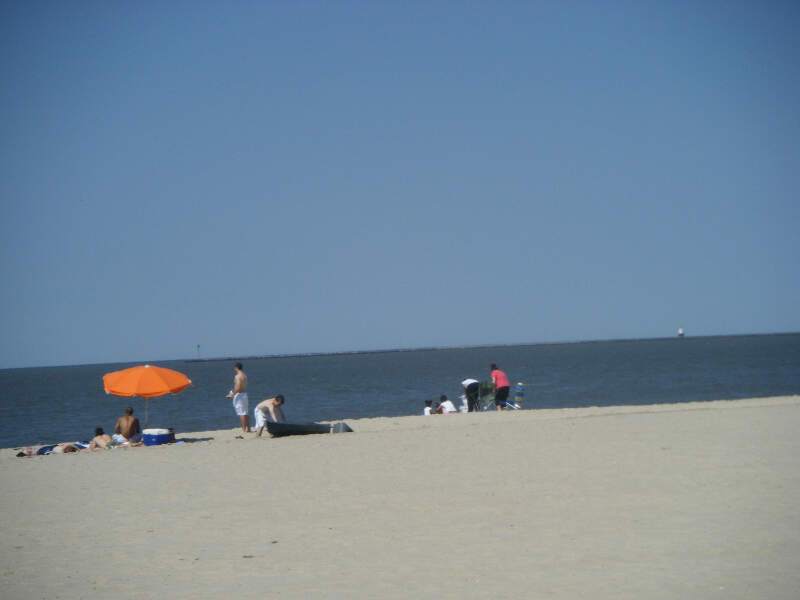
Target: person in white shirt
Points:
(471, 387)
(427, 410)
(445, 406)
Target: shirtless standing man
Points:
(239, 395)
(127, 429)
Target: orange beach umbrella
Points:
(147, 381)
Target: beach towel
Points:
(45, 450)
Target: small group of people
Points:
(268, 406)
(127, 432)
(272, 408)
(443, 407)
(471, 388)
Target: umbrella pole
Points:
(146, 407)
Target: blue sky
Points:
(281, 177)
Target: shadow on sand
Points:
(189, 440)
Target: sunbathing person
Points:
(100, 440)
(127, 429)
(64, 448)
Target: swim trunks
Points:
(261, 417)
(240, 403)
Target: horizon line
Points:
(414, 349)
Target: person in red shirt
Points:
(501, 386)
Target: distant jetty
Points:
(308, 354)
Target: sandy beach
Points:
(669, 501)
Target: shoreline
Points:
(369, 424)
(660, 502)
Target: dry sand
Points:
(677, 501)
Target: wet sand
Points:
(669, 501)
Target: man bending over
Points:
(271, 405)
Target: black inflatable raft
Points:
(282, 429)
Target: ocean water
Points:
(53, 404)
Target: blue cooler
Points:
(155, 437)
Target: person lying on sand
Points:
(100, 440)
(272, 405)
(64, 448)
